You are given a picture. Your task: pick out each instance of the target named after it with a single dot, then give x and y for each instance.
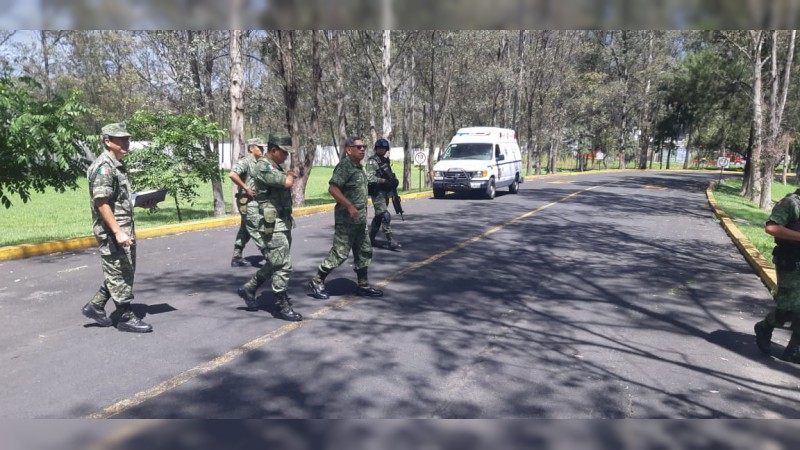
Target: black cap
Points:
(381, 143)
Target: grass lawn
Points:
(747, 216)
(61, 215)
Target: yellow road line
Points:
(172, 383)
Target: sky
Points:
(398, 14)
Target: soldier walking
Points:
(243, 175)
(381, 181)
(273, 186)
(784, 225)
(348, 186)
(112, 224)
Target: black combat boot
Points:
(763, 336)
(317, 285)
(284, 308)
(248, 292)
(97, 313)
(364, 289)
(393, 245)
(95, 309)
(792, 351)
(132, 324)
(238, 261)
(373, 231)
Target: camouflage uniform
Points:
(786, 257)
(274, 203)
(378, 167)
(108, 178)
(274, 206)
(108, 181)
(248, 227)
(349, 233)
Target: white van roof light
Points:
(487, 131)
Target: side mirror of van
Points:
(501, 157)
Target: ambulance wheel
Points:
(514, 187)
(490, 190)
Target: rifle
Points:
(398, 208)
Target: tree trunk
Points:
(623, 132)
(520, 52)
(687, 156)
(237, 104)
(645, 126)
(386, 84)
(777, 102)
(341, 119)
(755, 184)
(290, 94)
(202, 82)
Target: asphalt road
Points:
(609, 295)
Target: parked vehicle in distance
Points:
(479, 159)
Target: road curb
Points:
(64, 245)
(763, 268)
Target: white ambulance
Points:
(479, 159)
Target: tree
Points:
(175, 156)
(237, 101)
(41, 144)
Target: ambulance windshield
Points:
(468, 151)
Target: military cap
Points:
(255, 141)
(115, 129)
(280, 139)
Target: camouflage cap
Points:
(280, 139)
(255, 141)
(115, 129)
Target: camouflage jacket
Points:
(270, 186)
(108, 178)
(246, 169)
(787, 213)
(349, 177)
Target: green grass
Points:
(61, 215)
(747, 216)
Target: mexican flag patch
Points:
(103, 170)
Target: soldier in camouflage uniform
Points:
(348, 186)
(273, 187)
(242, 175)
(784, 225)
(381, 181)
(112, 217)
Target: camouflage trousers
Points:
(787, 295)
(118, 269)
(787, 299)
(278, 261)
(348, 237)
(381, 207)
(248, 229)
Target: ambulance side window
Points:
(498, 155)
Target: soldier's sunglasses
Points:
(360, 147)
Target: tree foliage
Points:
(175, 154)
(40, 141)
(626, 92)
